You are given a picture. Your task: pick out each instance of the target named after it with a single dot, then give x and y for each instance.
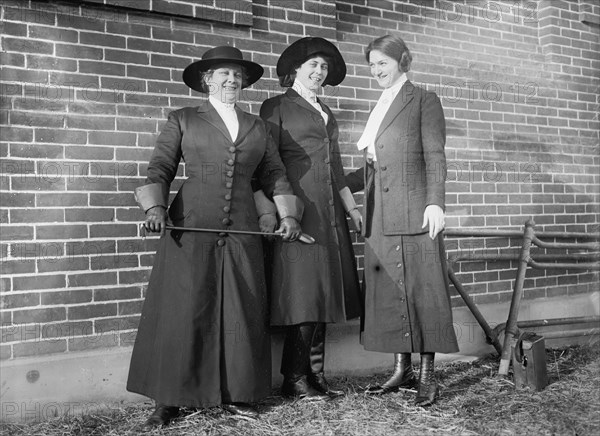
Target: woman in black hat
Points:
(203, 335)
(311, 285)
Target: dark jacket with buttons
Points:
(411, 164)
(203, 336)
(312, 283)
(407, 304)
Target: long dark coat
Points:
(312, 283)
(407, 305)
(203, 335)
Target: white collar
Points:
(304, 92)
(393, 90)
(219, 105)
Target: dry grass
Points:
(474, 401)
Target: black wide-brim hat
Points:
(220, 55)
(299, 51)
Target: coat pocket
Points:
(416, 205)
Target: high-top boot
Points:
(428, 388)
(403, 377)
(295, 365)
(316, 377)
(162, 415)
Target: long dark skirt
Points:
(407, 303)
(203, 336)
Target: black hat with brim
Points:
(299, 51)
(220, 55)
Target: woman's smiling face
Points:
(313, 72)
(225, 82)
(384, 68)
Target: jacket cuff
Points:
(437, 200)
(289, 206)
(151, 195)
(347, 199)
(264, 206)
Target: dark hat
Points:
(220, 55)
(299, 51)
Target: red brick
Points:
(12, 300)
(89, 248)
(67, 329)
(70, 231)
(27, 46)
(128, 338)
(78, 51)
(88, 153)
(106, 325)
(17, 233)
(130, 277)
(80, 23)
(62, 199)
(33, 216)
(122, 293)
(37, 348)
(67, 297)
(112, 199)
(104, 40)
(130, 307)
(14, 29)
(124, 56)
(60, 136)
(18, 266)
(172, 35)
(91, 183)
(92, 279)
(39, 315)
(56, 264)
(93, 342)
(112, 230)
(92, 311)
(19, 332)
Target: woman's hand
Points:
(356, 218)
(267, 223)
(156, 219)
(434, 217)
(290, 228)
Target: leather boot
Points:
(403, 377)
(428, 388)
(316, 377)
(162, 415)
(243, 410)
(301, 389)
(295, 365)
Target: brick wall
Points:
(86, 87)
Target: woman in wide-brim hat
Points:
(203, 335)
(316, 285)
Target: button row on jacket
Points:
(227, 208)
